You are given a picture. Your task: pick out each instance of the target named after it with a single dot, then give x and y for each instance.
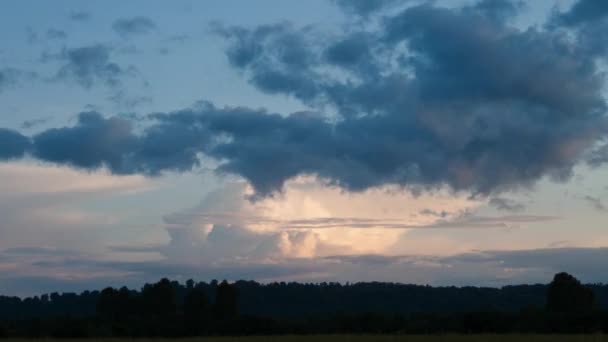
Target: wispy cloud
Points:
(596, 202)
(131, 26)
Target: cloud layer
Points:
(426, 97)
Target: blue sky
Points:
(433, 142)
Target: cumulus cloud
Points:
(499, 110)
(467, 113)
(130, 26)
(313, 221)
(14, 145)
(584, 11)
(90, 65)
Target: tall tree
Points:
(226, 301)
(567, 294)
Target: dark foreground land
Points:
(369, 338)
(318, 312)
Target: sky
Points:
(428, 142)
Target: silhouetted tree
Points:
(196, 308)
(226, 301)
(566, 294)
(159, 298)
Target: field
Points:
(359, 338)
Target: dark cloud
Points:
(587, 21)
(89, 65)
(584, 11)
(498, 9)
(13, 145)
(432, 97)
(473, 102)
(506, 204)
(599, 156)
(130, 26)
(80, 16)
(92, 143)
(96, 142)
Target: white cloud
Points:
(307, 220)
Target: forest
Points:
(172, 309)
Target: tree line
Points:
(171, 309)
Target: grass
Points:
(363, 338)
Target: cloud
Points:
(11, 77)
(28, 124)
(364, 7)
(451, 115)
(308, 220)
(599, 156)
(584, 11)
(596, 203)
(79, 16)
(52, 207)
(586, 20)
(56, 34)
(21, 178)
(130, 26)
(434, 213)
(586, 263)
(500, 110)
(90, 65)
(506, 204)
(14, 145)
(484, 268)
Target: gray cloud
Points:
(113, 142)
(28, 124)
(130, 26)
(463, 114)
(584, 11)
(596, 203)
(79, 16)
(430, 212)
(11, 77)
(7, 78)
(56, 34)
(506, 204)
(365, 7)
(599, 156)
(484, 268)
(90, 65)
(498, 110)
